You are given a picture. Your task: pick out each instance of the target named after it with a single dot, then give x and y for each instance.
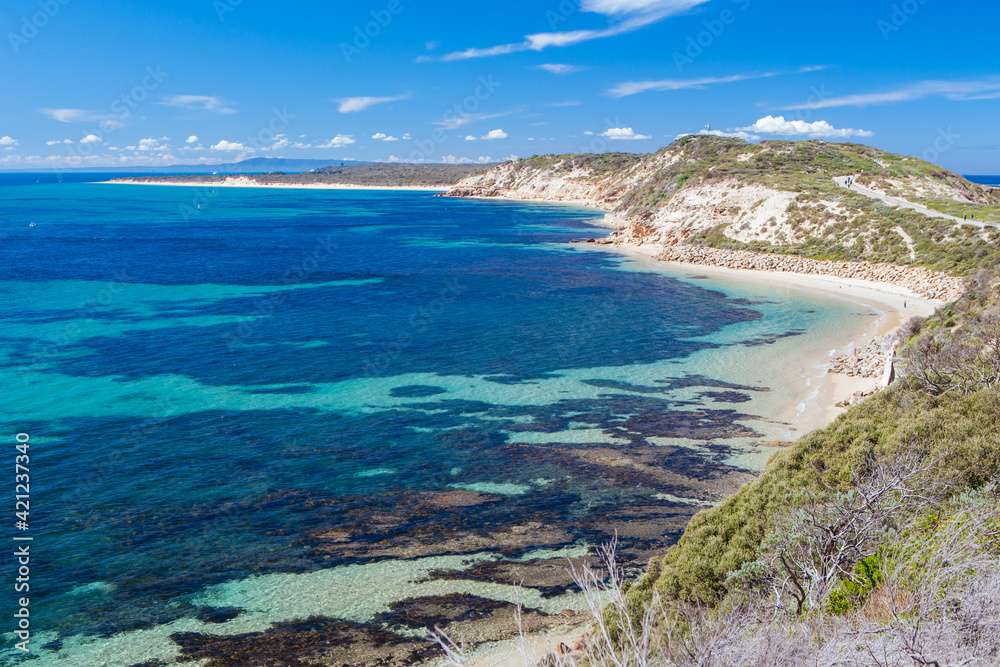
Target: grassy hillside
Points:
(714, 191)
(800, 548)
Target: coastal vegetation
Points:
(874, 539)
(372, 175)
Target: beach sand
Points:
(897, 304)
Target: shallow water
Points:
(268, 408)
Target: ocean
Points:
(283, 425)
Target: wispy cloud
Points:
(557, 68)
(55, 142)
(453, 122)
(355, 104)
(382, 136)
(959, 91)
(819, 129)
(82, 116)
(198, 103)
(8, 142)
(636, 87)
(623, 133)
(631, 15)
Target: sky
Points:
(161, 82)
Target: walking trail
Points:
(902, 203)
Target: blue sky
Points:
(106, 82)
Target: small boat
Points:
(31, 224)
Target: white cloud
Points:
(91, 139)
(495, 134)
(355, 104)
(588, 133)
(407, 136)
(337, 141)
(636, 87)
(54, 142)
(623, 133)
(381, 136)
(191, 139)
(800, 128)
(631, 15)
(957, 91)
(229, 146)
(8, 141)
(555, 68)
(470, 138)
(153, 144)
(198, 103)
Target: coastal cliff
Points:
(776, 197)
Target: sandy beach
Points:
(895, 304)
(245, 182)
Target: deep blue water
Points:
(985, 180)
(217, 381)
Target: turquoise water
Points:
(269, 408)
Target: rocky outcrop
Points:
(921, 281)
(867, 361)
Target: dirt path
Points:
(902, 203)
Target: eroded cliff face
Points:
(780, 193)
(752, 211)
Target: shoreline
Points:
(897, 304)
(246, 182)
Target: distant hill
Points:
(254, 165)
(369, 174)
(783, 197)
